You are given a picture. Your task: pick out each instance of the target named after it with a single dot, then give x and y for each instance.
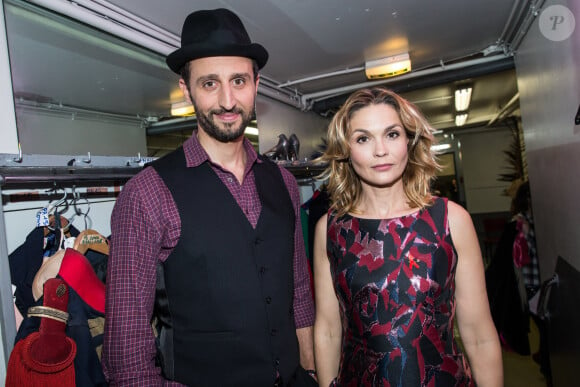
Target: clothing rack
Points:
(36, 177)
(39, 177)
(305, 172)
(51, 176)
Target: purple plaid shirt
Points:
(145, 227)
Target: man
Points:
(208, 241)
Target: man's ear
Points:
(184, 90)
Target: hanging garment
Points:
(45, 357)
(27, 258)
(507, 303)
(86, 309)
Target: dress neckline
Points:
(412, 214)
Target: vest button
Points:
(257, 241)
(268, 300)
(262, 270)
(273, 332)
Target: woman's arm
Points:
(327, 326)
(478, 333)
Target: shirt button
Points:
(268, 300)
(230, 179)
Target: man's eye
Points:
(239, 81)
(208, 84)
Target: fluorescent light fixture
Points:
(182, 108)
(388, 67)
(251, 131)
(462, 98)
(440, 147)
(460, 119)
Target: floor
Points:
(522, 371)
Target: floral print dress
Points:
(394, 279)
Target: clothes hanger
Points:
(43, 216)
(91, 240)
(88, 239)
(77, 208)
(53, 211)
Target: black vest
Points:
(225, 294)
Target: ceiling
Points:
(315, 38)
(317, 54)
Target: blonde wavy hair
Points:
(344, 185)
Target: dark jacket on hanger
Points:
(511, 320)
(25, 261)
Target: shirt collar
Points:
(195, 155)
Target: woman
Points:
(394, 264)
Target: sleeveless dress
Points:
(394, 279)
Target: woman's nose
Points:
(381, 149)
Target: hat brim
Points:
(181, 56)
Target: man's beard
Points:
(208, 125)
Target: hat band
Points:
(48, 312)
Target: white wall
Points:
(549, 85)
(9, 143)
(60, 134)
(547, 66)
(482, 160)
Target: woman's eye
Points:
(362, 139)
(393, 134)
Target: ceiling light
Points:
(182, 108)
(460, 119)
(440, 147)
(462, 98)
(251, 131)
(388, 67)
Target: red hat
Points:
(46, 357)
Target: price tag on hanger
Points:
(69, 243)
(42, 218)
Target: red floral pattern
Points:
(394, 279)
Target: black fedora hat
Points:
(217, 32)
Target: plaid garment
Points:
(531, 271)
(145, 226)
